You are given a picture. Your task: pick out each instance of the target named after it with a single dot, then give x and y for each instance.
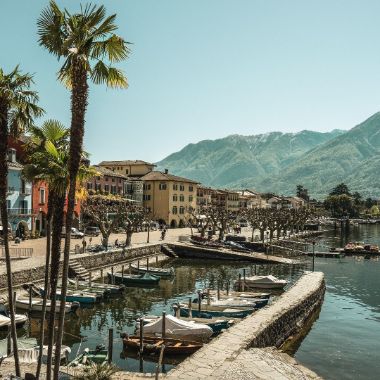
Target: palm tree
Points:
(18, 107)
(87, 42)
(48, 151)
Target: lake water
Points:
(343, 343)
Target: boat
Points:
(264, 282)
(103, 293)
(358, 248)
(178, 329)
(235, 303)
(245, 295)
(160, 272)
(139, 280)
(154, 344)
(23, 304)
(20, 320)
(220, 312)
(113, 289)
(89, 357)
(76, 296)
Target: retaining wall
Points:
(269, 326)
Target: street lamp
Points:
(313, 242)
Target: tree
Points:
(18, 108)
(303, 193)
(340, 189)
(87, 42)
(339, 205)
(132, 218)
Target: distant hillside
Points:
(236, 159)
(353, 158)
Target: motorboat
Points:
(160, 272)
(37, 303)
(263, 282)
(138, 280)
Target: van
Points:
(92, 231)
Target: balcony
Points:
(25, 191)
(11, 190)
(20, 212)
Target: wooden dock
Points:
(335, 255)
(189, 251)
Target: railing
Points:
(19, 211)
(11, 190)
(17, 253)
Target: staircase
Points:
(168, 251)
(77, 271)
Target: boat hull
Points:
(163, 273)
(184, 312)
(137, 281)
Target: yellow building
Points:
(130, 168)
(169, 199)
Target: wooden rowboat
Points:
(23, 304)
(160, 272)
(154, 344)
(89, 357)
(138, 280)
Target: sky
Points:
(206, 69)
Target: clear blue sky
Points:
(204, 69)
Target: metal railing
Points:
(17, 253)
(20, 211)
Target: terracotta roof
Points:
(109, 173)
(160, 176)
(125, 162)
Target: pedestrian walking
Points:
(84, 245)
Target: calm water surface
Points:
(343, 343)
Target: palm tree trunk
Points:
(79, 97)
(4, 221)
(57, 225)
(46, 282)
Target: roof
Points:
(15, 165)
(160, 176)
(125, 162)
(109, 173)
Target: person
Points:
(116, 242)
(84, 244)
(163, 233)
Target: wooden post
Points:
(89, 279)
(30, 298)
(122, 273)
(208, 296)
(147, 264)
(160, 361)
(178, 311)
(138, 265)
(255, 270)
(9, 341)
(156, 259)
(199, 301)
(243, 280)
(110, 345)
(228, 286)
(239, 287)
(141, 336)
(163, 331)
(130, 268)
(101, 275)
(76, 283)
(218, 291)
(112, 277)
(14, 302)
(190, 307)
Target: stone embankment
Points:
(242, 351)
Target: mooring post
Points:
(101, 275)
(110, 345)
(130, 268)
(89, 279)
(147, 264)
(141, 336)
(156, 259)
(30, 298)
(122, 273)
(239, 282)
(243, 280)
(9, 342)
(112, 276)
(14, 302)
(190, 308)
(228, 286)
(76, 283)
(163, 331)
(138, 265)
(199, 301)
(218, 291)
(313, 254)
(208, 296)
(255, 269)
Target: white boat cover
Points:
(231, 302)
(264, 279)
(177, 327)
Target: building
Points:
(227, 199)
(250, 199)
(130, 168)
(296, 202)
(134, 189)
(107, 182)
(169, 199)
(19, 198)
(204, 196)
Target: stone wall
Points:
(269, 326)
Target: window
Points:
(8, 204)
(120, 190)
(107, 188)
(98, 178)
(190, 198)
(175, 198)
(162, 186)
(175, 187)
(119, 180)
(146, 186)
(89, 185)
(23, 207)
(98, 187)
(181, 198)
(175, 210)
(113, 179)
(126, 171)
(182, 210)
(181, 187)
(113, 189)
(146, 197)
(191, 188)
(42, 195)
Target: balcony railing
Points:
(19, 211)
(10, 190)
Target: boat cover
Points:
(178, 327)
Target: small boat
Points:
(89, 357)
(103, 293)
(77, 296)
(160, 272)
(154, 344)
(355, 248)
(245, 295)
(235, 303)
(138, 280)
(264, 282)
(222, 312)
(113, 289)
(178, 329)
(23, 304)
(5, 321)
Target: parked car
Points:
(75, 233)
(92, 231)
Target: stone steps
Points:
(168, 251)
(76, 270)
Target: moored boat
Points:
(358, 248)
(154, 344)
(235, 294)
(76, 296)
(89, 357)
(160, 272)
(208, 313)
(263, 282)
(113, 289)
(5, 321)
(138, 280)
(235, 303)
(23, 304)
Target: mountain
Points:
(236, 159)
(353, 158)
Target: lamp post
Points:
(313, 242)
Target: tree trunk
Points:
(128, 240)
(57, 224)
(4, 221)
(51, 201)
(79, 97)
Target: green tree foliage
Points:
(340, 189)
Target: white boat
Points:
(178, 329)
(264, 282)
(20, 320)
(23, 304)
